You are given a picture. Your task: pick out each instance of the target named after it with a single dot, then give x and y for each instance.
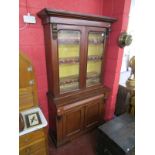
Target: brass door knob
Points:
(124, 39)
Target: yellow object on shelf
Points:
(68, 70)
(69, 50)
(94, 66)
(95, 49)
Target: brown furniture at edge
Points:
(33, 143)
(76, 102)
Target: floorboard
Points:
(83, 145)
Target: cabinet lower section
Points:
(69, 121)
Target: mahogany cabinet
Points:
(75, 47)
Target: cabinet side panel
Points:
(48, 49)
(54, 60)
(52, 120)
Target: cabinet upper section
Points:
(50, 16)
(75, 48)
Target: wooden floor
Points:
(83, 145)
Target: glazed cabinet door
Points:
(73, 121)
(93, 113)
(69, 57)
(96, 39)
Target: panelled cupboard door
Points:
(73, 122)
(93, 113)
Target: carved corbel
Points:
(54, 31)
(108, 31)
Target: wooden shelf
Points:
(75, 78)
(92, 78)
(69, 87)
(68, 41)
(94, 58)
(69, 79)
(95, 41)
(77, 41)
(74, 60)
(91, 82)
(69, 60)
(91, 75)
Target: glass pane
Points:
(95, 55)
(68, 50)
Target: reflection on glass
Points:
(68, 49)
(94, 59)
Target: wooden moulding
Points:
(74, 96)
(68, 14)
(73, 18)
(61, 110)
